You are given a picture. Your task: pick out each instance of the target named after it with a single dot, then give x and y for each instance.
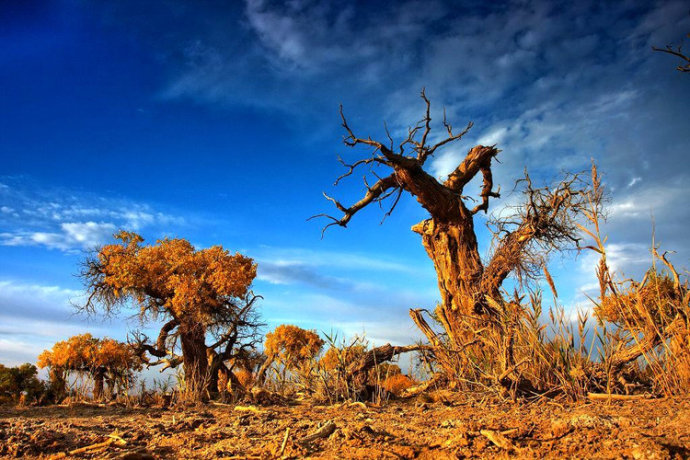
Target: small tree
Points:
(18, 381)
(292, 347)
(198, 293)
(105, 361)
(339, 359)
(355, 370)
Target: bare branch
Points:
(422, 153)
(352, 140)
(678, 53)
(140, 343)
(373, 194)
(487, 192)
(395, 203)
(478, 158)
(451, 137)
(547, 220)
(351, 167)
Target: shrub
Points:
(21, 382)
(397, 383)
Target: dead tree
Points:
(470, 286)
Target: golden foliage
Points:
(291, 345)
(339, 358)
(84, 352)
(654, 300)
(397, 383)
(245, 377)
(383, 371)
(171, 276)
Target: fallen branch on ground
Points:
(325, 431)
(614, 397)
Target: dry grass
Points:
(638, 343)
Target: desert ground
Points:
(438, 426)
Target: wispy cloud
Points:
(26, 300)
(33, 316)
(67, 220)
(72, 235)
(326, 258)
(298, 51)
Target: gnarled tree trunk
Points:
(58, 383)
(471, 299)
(452, 247)
(98, 378)
(195, 361)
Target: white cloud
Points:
(634, 181)
(37, 300)
(16, 351)
(295, 257)
(33, 316)
(72, 235)
(67, 221)
(661, 201)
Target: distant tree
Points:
(470, 286)
(198, 293)
(292, 347)
(397, 383)
(16, 381)
(56, 362)
(105, 361)
(339, 359)
(684, 66)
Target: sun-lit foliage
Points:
(383, 371)
(245, 377)
(197, 293)
(172, 276)
(291, 345)
(339, 358)
(397, 383)
(653, 300)
(101, 359)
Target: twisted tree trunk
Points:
(98, 378)
(453, 250)
(472, 310)
(195, 361)
(58, 383)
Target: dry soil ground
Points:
(459, 428)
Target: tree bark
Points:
(195, 361)
(58, 383)
(452, 247)
(358, 370)
(98, 378)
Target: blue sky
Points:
(218, 122)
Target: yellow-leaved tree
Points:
(104, 360)
(199, 294)
(293, 348)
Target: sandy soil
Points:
(448, 428)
